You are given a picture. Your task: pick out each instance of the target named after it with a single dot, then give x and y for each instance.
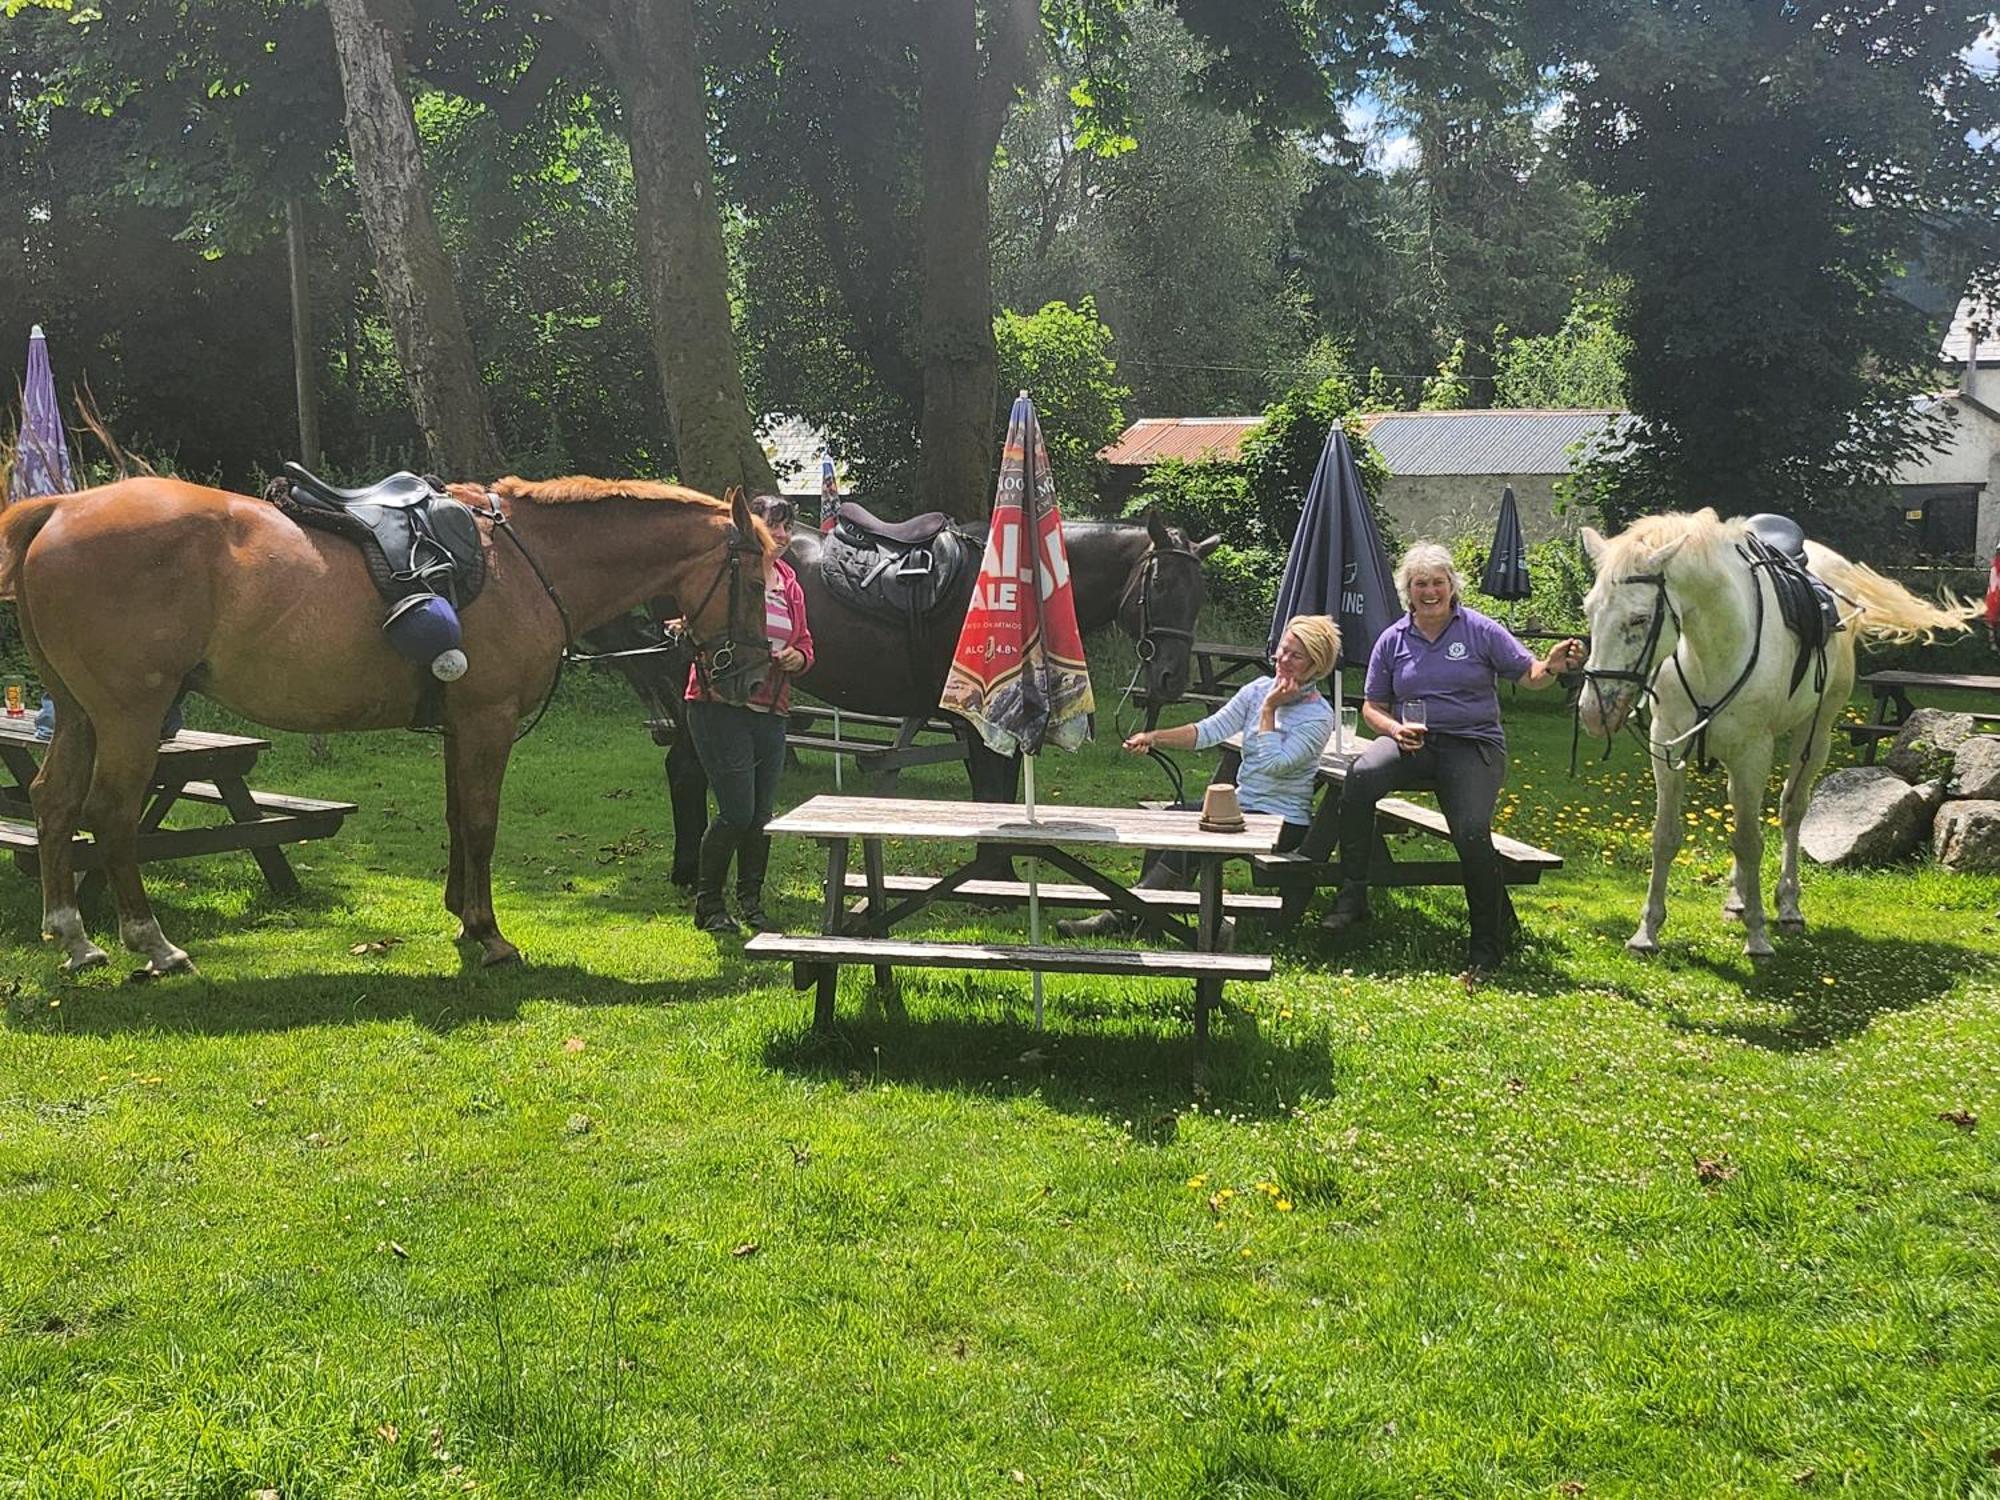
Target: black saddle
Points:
(414, 537)
(901, 571)
(1806, 604)
(904, 533)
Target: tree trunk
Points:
(410, 262)
(651, 49)
(961, 112)
(302, 343)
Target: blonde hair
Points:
(1319, 637)
(1427, 557)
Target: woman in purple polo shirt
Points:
(1449, 659)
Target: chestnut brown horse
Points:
(131, 591)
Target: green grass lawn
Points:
(328, 1222)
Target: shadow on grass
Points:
(1873, 976)
(1144, 1076)
(440, 1002)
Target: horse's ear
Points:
(1594, 545)
(1206, 545)
(1666, 554)
(739, 509)
(1157, 530)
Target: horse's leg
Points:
(454, 878)
(1748, 774)
(476, 756)
(1669, 786)
(687, 790)
(126, 753)
(58, 794)
(1808, 760)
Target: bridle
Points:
(723, 659)
(1139, 591)
(1644, 672)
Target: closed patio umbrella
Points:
(1336, 565)
(41, 456)
(1506, 574)
(1019, 675)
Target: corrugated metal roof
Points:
(1489, 441)
(1957, 347)
(1193, 440)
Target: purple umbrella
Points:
(41, 460)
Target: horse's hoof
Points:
(1644, 947)
(499, 952)
(93, 958)
(1792, 926)
(1732, 913)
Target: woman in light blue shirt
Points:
(1285, 724)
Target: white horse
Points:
(1680, 616)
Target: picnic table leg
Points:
(1208, 935)
(835, 912)
(271, 860)
(878, 898)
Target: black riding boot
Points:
(753, 858)
(718, 847)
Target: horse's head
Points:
(1633, 624)
(726, 579)
(1162, 597)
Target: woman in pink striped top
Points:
(742, 747)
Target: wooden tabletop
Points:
(1894, 678)
(829, 815)
(21, 731)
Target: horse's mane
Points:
(582, 489)
(579, 489)
(1700, 532)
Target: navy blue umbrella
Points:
(1506, 575)
(1337, 566)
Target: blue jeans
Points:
(742, 751)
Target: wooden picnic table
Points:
(1058, 837)
(1891, 689)
(195, 767)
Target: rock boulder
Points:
(1863, 815)
(1925, 744)
(1966, 836)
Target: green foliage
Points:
(1581, 364)
(1059, 357)
(1448, 389)
(1768, 170)
(1559, 574)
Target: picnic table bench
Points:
(861, 934)
(1891, 689)
(197, 767)
(1298, 875)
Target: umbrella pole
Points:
(1034, 888)
(836, 754)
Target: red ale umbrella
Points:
(1019, 674)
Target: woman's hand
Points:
(789, 659)
(1564, 656)
(1409, 736)
(1283, 690)
(1140, 743)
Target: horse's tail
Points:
(21, 523)
(1881, 609)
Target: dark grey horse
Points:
(1144, 576)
